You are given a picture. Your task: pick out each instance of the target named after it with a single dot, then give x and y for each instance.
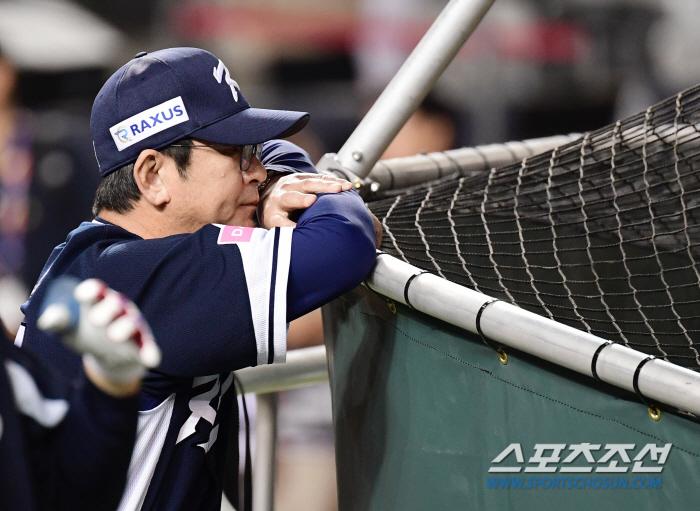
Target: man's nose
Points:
(256, 171)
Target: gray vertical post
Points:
(265, 452)
(407, 89)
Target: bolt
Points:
(357, 155)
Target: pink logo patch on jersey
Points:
(235, 234)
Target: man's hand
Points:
(114, 339)
(285, 194)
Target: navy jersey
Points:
(62, 447)
(217, 300)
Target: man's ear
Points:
(148, 174)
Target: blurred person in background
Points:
(47, 181)
(53, 57)
(431, 128)
(16, 165)
(65, 447)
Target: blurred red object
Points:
(540, 41)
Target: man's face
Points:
(216, 190)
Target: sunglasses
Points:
(247, 151)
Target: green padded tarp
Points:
(422, 409)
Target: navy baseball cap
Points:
(161, 97)
(283, 156)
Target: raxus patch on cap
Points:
(149, 122)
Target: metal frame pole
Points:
(406, 90)
(507, 324)
(304, 366)
(265, 452)
(397, 173)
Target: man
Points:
(65, 447)
(178, 148)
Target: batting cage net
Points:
(602, 233)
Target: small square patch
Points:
(234, 234)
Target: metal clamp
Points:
(329, 164)
(502, 356)
(654, 411)
(408, 283)
(594, 361)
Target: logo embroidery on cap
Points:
(219, 72)
(149, 122)
(234, 234)
(122, 134)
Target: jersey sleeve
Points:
(77, 440)
(333, 250)
(215, 300)
(266, 256)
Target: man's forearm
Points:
(333, 249)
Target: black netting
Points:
(602, 234)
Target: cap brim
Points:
(253, 126)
